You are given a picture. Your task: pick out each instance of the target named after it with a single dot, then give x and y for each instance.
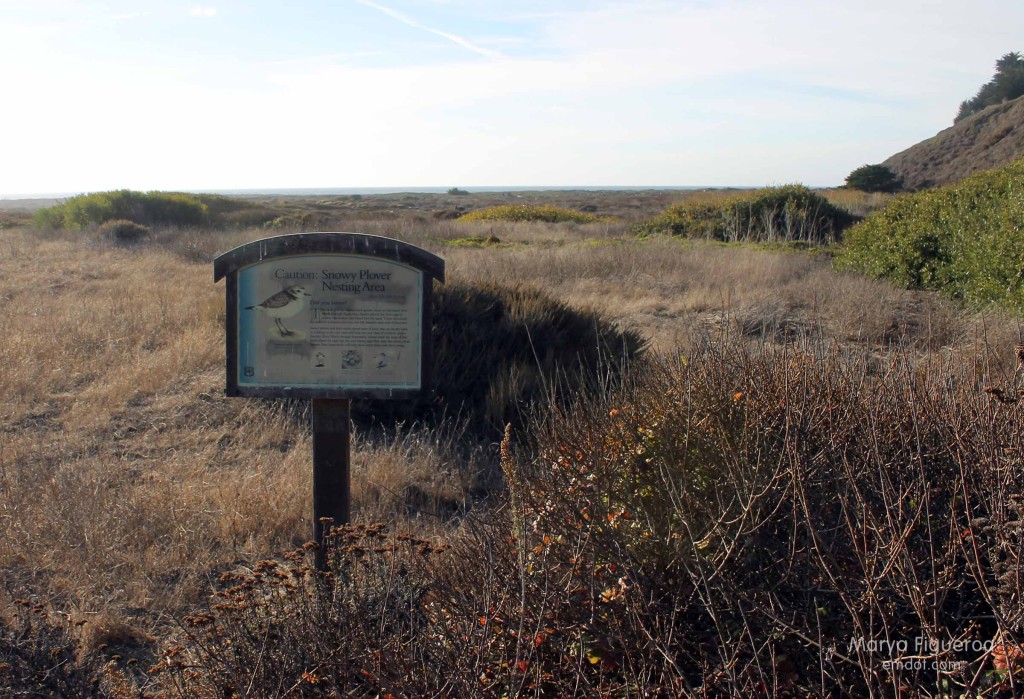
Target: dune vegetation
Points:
(528, 212)
(664, 467)
(790, 213)
(964, 240)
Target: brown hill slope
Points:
(988, 139)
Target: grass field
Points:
(805, 457)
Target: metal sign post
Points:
(328, 317)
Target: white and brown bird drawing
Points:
(283, 304)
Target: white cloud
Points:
(639, 92)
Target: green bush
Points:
(525, 212)
(966, 240)
(873, 178)
(146, 208)
(1006, 84)
(786, 213)
(51, 218)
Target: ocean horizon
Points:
(342, 191)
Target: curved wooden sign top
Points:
(327, 243)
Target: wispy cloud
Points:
(203, 11)
(412, 22)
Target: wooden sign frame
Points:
(345, 248)
(369, 256)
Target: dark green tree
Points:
(1006, 84)
(873, 178)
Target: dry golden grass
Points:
(857, 202)
(127, 479)
(128, 482)
(119, 469)
(659, 286)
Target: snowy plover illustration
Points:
(283, 304)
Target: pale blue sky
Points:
(221, 94)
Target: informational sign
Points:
(336, 320)
(328, 315)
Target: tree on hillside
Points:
(873, 178)
(1006, 84)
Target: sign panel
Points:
(328, 315)
(330, 320)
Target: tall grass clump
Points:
(532, 212)
(857, 203)
(790, 213)
(144, 208)
(966, 240)
(744, 521)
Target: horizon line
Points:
(399, 189)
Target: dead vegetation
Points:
(129, 484)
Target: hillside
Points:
(991, 138)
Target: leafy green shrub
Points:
(296, 221)
(499, 351)
(146, 208)
(873, 178)
(786, 213)
(527, 212)
(473, 241)
(122, 232)
(227, 212)
(50, 218)
(964, 240)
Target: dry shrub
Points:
(41, 655)
(285, 629)
(501, 351)
(777, 517)
(122, 232)
(741, 521)
(657, 287)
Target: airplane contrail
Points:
(412, 22)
